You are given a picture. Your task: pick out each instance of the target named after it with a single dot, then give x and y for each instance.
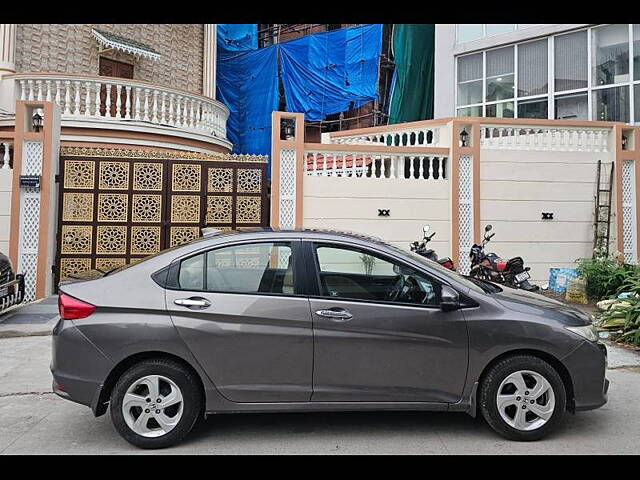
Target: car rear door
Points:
(369, 348)
(238, 309)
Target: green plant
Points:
(624, 317)
(368, 262)
(603, 274)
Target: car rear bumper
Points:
(77, 366)
(587, 366)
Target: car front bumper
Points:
(587, 366)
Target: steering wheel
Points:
(394, 292)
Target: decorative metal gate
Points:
(118, 206)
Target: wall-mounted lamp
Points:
(463, 137)
(37, 122)
(287, 129)
(624, 142)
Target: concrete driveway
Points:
(34, 420)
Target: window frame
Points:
(552, 94)
(310, 248)
(299, 286)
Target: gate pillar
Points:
(33, 199)
(287, 169)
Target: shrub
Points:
(624, 317)
(604, 276)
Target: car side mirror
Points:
(449, 300)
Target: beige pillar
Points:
(7, 65)
(32, 243)
(209, 61)
(7, 48)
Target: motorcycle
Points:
(421, 249)
(511, 273)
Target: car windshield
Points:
(479, 287)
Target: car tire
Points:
(503, 378)
(170, 380)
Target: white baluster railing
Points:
(123, 100)
(393, 135)
(5, 154)
(328, 160)
(545, 138)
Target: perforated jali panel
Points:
(465, 212)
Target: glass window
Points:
(470, 111)
(499, 28)
(191, 275)
(636, 52)
(532, 68)
(533, 108)
(570, 61)
(572, 107)
(611, 104)
(500, 74)
(500, 110)
(468, 32)
(636, 101)
(251, 268)
(610, 47)
(357, 274)
(470, 79)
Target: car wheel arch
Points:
(547, 357)
(100, 406)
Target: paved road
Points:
(33, 420)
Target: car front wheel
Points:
(522, 398)
(155, 403)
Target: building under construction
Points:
(368, 115)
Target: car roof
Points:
(301, 232)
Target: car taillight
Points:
(71, 308)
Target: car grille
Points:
(5, 275)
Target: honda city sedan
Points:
(266, 321)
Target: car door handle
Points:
(193, 302)
(335, 315)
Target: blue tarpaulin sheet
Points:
(237, 36)
(247, 83)
(331, 72)
(322, 74)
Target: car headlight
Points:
(587, 331)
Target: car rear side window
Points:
(191, 277)
(251, 268)
(247, 268)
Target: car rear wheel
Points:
(155, 403)
(522, 398)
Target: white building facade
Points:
(546, 71)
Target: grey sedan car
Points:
(308, 320)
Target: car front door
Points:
(379, 332)
(238, 310)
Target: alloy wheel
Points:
(525, 400)
(152, 406)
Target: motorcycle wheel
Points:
(525, 285)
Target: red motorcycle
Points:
(511, 273)
(421, 249)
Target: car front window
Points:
(354, 273)
(455, 276)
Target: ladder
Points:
(602, 219)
